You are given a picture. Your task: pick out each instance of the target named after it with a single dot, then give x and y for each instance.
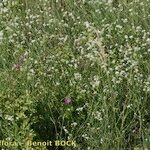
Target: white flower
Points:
(66, 131)
(97, 115)
(77, 76)
(119, 26)
(95, 82)
(87, 24)
(74, 124)
(8, 117)
(1, 35)
(148, 40)
(85, 136)
(79, 109)
(110, 1)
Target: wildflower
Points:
(23, 57)
(66, 131)
(20, 62)
(1, 35)
(77, 76)
(74, 124)
(9, 117)
(79, 109)
(16, 67)
(87, 24)
(85, 136)
(67, 101)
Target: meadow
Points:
(75, 70)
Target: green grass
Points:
(94, 53)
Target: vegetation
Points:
(75, 70)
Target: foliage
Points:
(95, 54)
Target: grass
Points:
(96, 54)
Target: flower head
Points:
(16, 67)
(67, 101)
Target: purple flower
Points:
(67, 101)
(16, 67)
